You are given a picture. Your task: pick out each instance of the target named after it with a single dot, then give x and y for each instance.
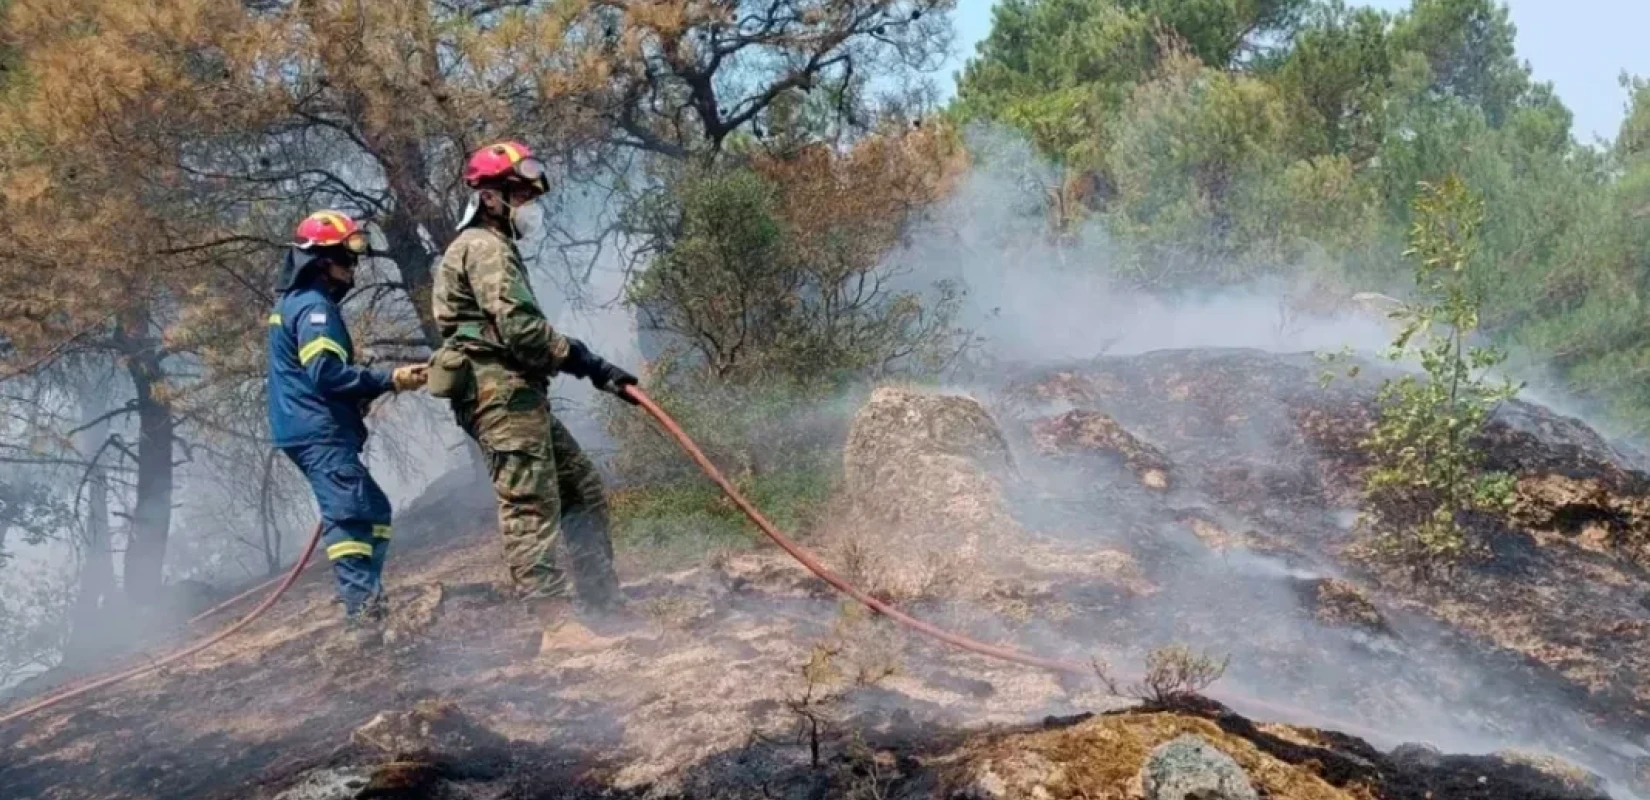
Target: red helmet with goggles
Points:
(330, 229)
(505, 163)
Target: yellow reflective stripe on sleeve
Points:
(347, 549)
(274, 319)
(320, 345)
(381, 531)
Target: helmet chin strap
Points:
(472, 209)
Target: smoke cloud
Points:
(1037, 302)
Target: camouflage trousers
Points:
(545, 485)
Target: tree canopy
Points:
(1229, 140)
(155, 156)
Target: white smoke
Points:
(1038, 301)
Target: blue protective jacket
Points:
(317, 395)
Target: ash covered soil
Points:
(1094, 511)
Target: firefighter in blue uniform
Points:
(318, 398)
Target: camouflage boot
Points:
(563, 631)
(614, 617)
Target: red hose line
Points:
(198, 618)
(796, 551)
(120, 677)
(928, 629)
(225, 605)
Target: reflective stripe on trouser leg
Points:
(584, 519)
(351, 552)
(355, 513)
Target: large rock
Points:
(902, 439)
(1214, 754)
(925, 476)
(1189, 768)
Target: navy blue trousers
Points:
(355, 519)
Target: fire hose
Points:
(796, 551)
(928, 629)
(144, 669)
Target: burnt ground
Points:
(680, 698)
(1540, 643)
(1201, 497)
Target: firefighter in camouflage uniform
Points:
(497, 357)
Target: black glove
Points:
(577, 362)
(581, 363)
(612, 379)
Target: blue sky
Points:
(1582, 46)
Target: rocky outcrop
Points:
(1117, 756)
(931, 487)
(1086, 431)
(910, 452)
(1214, 754)
(1570, 777)
(1336, 602)
(433, 741)
(1593, 513)
(1267, 482)
(924, 476)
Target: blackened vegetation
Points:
(1267, 463)
(1244, 549)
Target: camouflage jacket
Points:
(484, 305)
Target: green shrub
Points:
(1426, 468)
(668, 523)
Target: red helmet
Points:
(503, 163)
(330, 229)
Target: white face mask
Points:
(527, 218)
